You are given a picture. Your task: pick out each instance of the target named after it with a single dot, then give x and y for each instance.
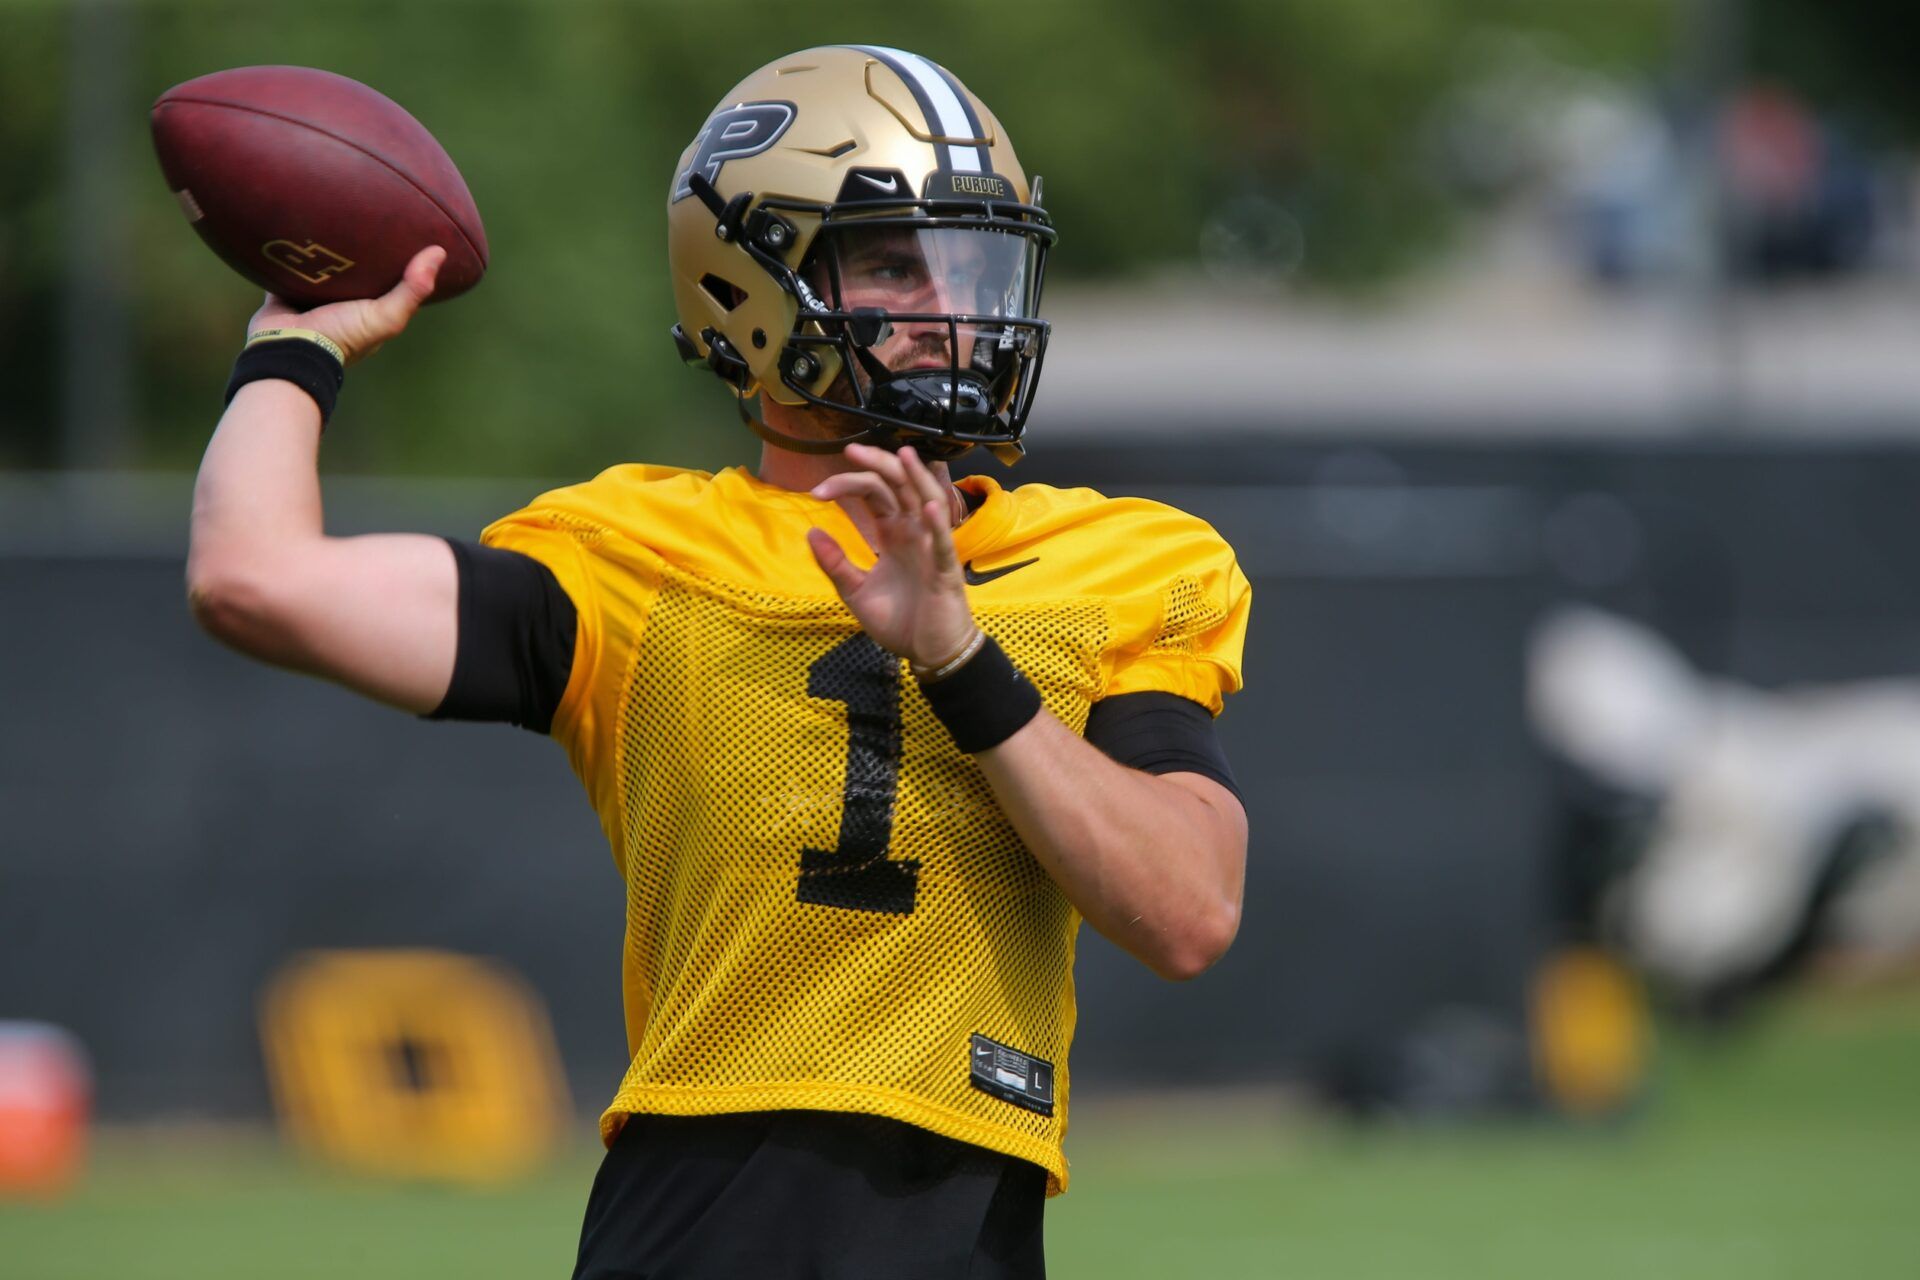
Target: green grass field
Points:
(1792, 1152)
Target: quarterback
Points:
(868, 743)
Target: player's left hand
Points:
(913, 602)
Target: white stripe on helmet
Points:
(952, 122)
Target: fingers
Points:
(925, 487)
(845, 575)
(901, 484)
(399, 303)
(273, 309)
(860, 491)
(936, 509)
(906, 478)
(938, 518)
(363, 327)
(911, 480)
(886, 465)
(863, 486)
(933, 496)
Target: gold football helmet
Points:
(851, 231)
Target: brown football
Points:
(314, 186)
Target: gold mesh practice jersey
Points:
(826, 910)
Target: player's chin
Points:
(825, 423)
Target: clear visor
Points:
(913, 271)
(932, 302)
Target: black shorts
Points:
(808, 1195)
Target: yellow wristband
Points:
(314, 336)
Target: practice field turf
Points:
(1790, 1151)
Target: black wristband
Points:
(985, 702)
(307, 365)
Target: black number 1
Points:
(856, 873)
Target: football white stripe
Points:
(946, 104)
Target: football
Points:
(314, 186)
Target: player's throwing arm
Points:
(351, 215)
(376, 613)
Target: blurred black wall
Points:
(175, 821)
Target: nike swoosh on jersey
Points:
(980, 577)
(890, 185)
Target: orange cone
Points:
(45, 1095)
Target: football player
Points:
(868, 743)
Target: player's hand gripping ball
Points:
(313, 186)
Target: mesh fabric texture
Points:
(824, 902)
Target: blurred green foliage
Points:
(1147, 119)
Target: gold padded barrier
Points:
(420, 1064)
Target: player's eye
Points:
(898, 270)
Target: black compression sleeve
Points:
(515, 651)
(1160, 733)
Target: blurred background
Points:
(1550, 368)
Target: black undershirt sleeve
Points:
(515, 651)
(1160, 733)
(515, 656)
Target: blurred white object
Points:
(1758, 793)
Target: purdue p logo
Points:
(312, 261)
(734, 134)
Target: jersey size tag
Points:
(1011, 1076)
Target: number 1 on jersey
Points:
(856, 873)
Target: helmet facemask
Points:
(916, 322)
(933, 325)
